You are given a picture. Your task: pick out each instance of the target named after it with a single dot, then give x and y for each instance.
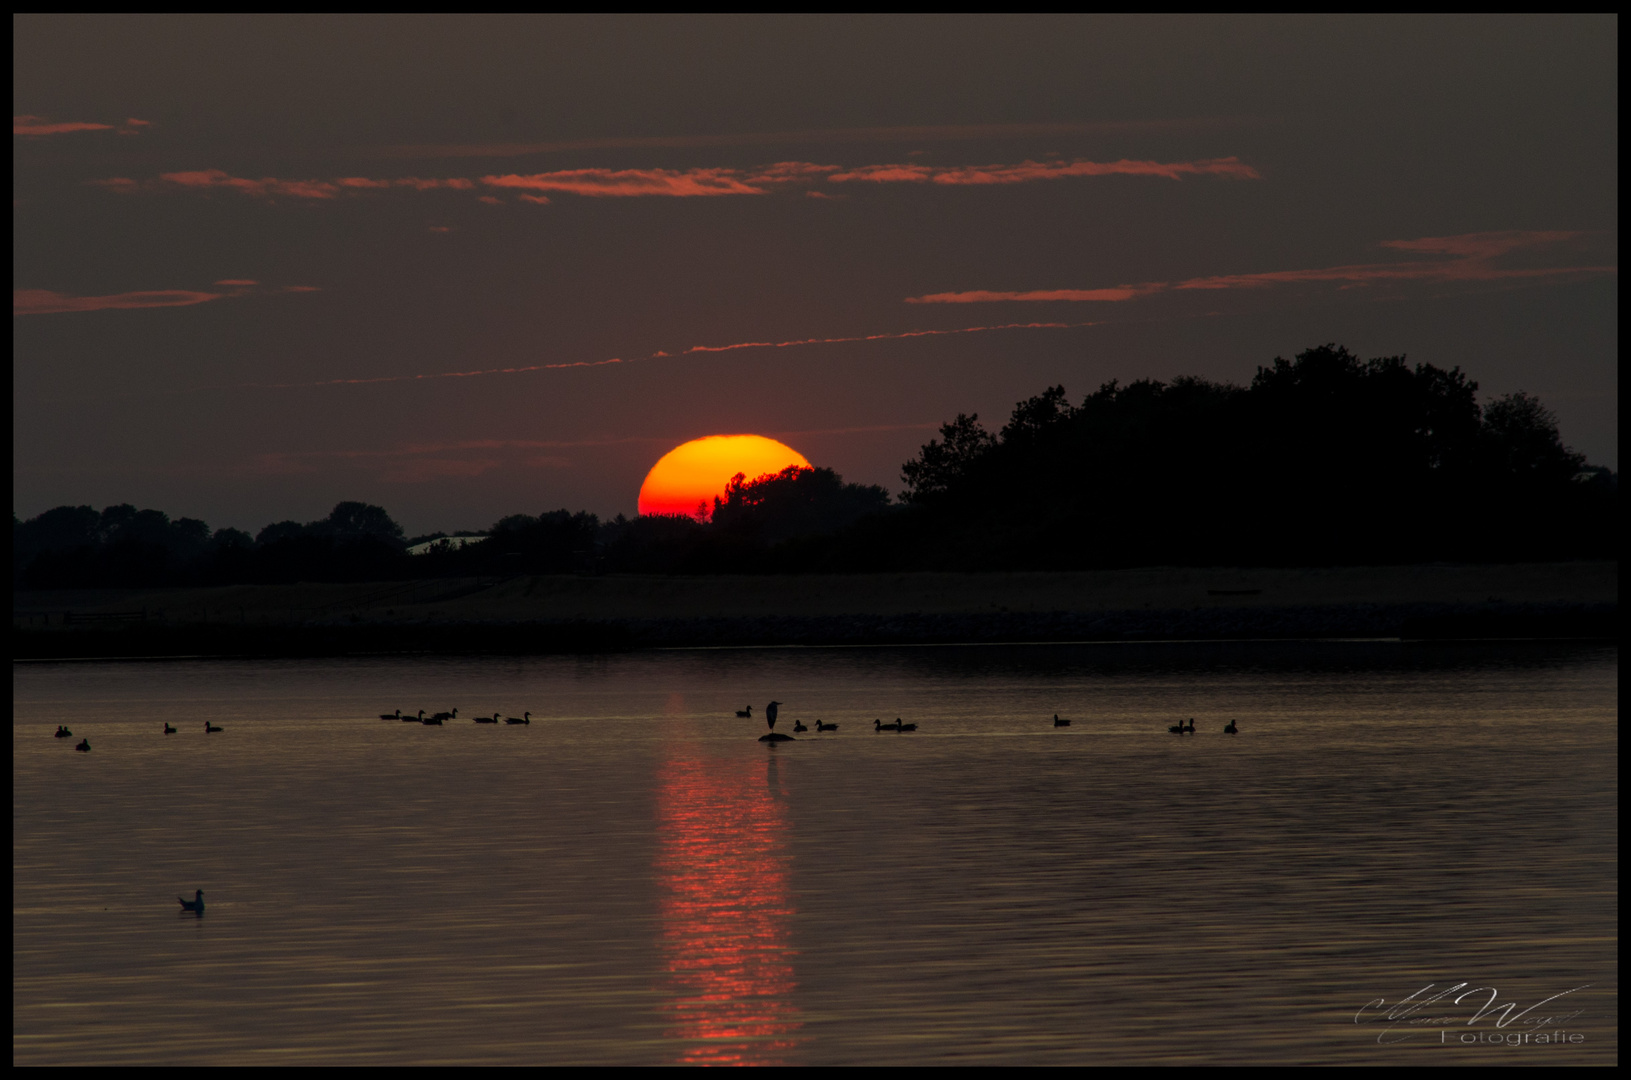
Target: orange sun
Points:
(686, 479)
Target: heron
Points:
(770, 714)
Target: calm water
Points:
(633, 878)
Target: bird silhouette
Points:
(904, 727)
(63, 733)
(209, 727)
(825, 727)
(436, 720)
(486, 720)
(413, 719)
(196, 904)
(168, 730)
(798, 725)
(745, 714)
(1058, 722)
(1177, 729)
(1191, 728)
(391, 715)
(83, 744)
(526, 718)
(1231, 729)
(879, 725)
(770, 714)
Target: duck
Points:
(439, 717)
(209, 727)
(83, 745)
(436, 720)
(1178, 728)
(196, 904)
(798, 725)
(485, 720)
(1231, 729)
(1191, 728)
(168, 730)
(825, 727)
(526, 718)
(412, 719)
(879, 725)
(391, 715)
(904, 727)
(745, 714)
(1058, 722)
(63, 733)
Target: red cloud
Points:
(38, 125)
(46, 302)
(1027, 171)
(1472, 259)
(626, 183)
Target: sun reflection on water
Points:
(722, 870)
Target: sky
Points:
(466, 267)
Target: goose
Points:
(412, 719)
(196, 904)
(745, 714)
(439, 717)
(526, 718)
(879, 725)
(485, 720)
(1058, 722)
(825, 727)
(391, 715)
(1178, 728)
(63, 733)
(798, 725)
(84, 745)
(1191, 728)
(904, 727)
(436, 720)
(1231, 729)
(770, 714)
(168, 730)
(209, 727)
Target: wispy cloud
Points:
(1469, 257)
(682, 183)
(47, 302)
(39, 125)
(663, 354)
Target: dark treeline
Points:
(1322, 460)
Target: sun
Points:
(686, 479)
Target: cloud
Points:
(39, 125)
(625, 183)
(46, 302)
(1028, 171)
(1471, 257)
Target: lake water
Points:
(634, 878)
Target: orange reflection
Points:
(722, 870)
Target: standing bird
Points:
(83, 744)
(770, 714)
(196, 904)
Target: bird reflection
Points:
(722, 869)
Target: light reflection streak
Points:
(722, 872)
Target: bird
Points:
(196, 904)
(391, 715)
(825, 727)
(879, 725)
(526, 718)
(485, 720)
(209, 727)
(1191, 728)
(412, 719)
(1231, 729)
(904, 727)
(437, 719)
(63, 733)
(745, 714)
(83, 744)
(770, 714)
(1058, 722)
(798, 725)
(1178, 728)
(168, 730)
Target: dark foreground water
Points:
(633, 878)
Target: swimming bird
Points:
(1231, 729)
(770, 714)
(1058, 722)
(391, 715)
(436, 720)
(439, 717)
(168, 730)
(526, 718)
(798, 725)
(196, 904)
(485, 720)
(83, 744)
(825, 727)
(1178, 728)
(412, 719)
(879, 725)
(745, 714)
(904, 727)
(1191, 728)
(209, 727)
(63, 733)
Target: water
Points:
(633, 878)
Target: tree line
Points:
(1324, 459)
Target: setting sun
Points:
(686, 479)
